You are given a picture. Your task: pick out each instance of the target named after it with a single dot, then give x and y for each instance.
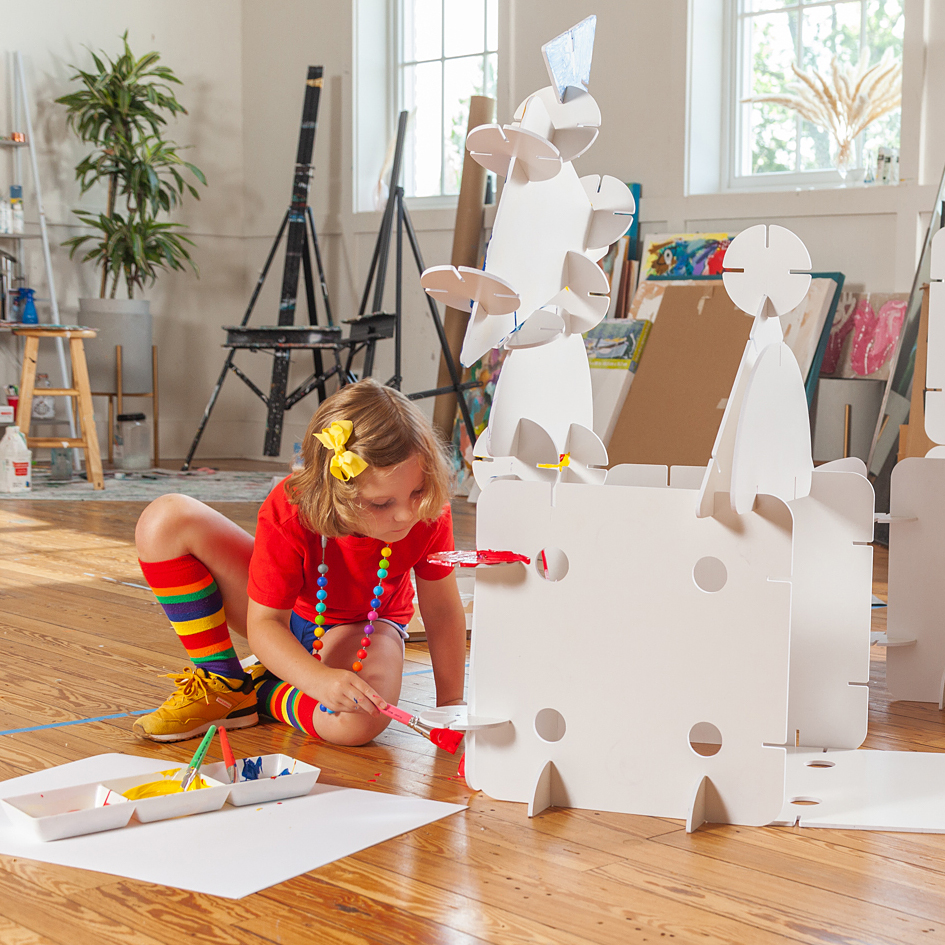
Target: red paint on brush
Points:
(446, 739)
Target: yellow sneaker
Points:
(201, 700)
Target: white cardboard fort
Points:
(915, 658)
(679, 629)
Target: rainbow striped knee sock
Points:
(189, 595)
(285, 703)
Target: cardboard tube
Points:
(466, 237)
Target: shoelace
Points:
(189, 685)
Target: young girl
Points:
(323, 594)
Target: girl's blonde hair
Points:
(387, 430)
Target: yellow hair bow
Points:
(344, 465)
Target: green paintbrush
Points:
(197, 760)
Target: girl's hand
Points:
(345, 691)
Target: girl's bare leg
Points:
(176, 525)
(383, 669)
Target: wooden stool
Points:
(81, 390)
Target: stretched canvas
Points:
(617, 343)
(807, 327)
(681, 255)
(865, 331)
(479, 399)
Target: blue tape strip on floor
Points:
(100, 718)
(125, 715)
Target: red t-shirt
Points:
(284, 568)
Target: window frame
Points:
(734, 138)
(397, 84)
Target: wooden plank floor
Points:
(82, 640)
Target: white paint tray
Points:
(67, 812)
(271, 785)
(150, 809)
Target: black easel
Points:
(284, 338)
(396, 210)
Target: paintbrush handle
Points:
(398, 715)
(228, 759)
(197, 760)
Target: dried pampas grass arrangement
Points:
(844, 104)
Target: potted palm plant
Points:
(121, 109)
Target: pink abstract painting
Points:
(864, 335)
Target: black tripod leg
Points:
(229, 358)
(441, 334)
(265, 271)
(206, 413)
(318, 263)
(397, 379)
(277, 389)
(312, 313)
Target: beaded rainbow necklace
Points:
(322, 595)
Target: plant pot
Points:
(125, 322)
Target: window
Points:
(770, 141)
(446, 53)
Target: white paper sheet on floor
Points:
(270, 843)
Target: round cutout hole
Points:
(549, 725)
(705, 739)
(820, 764)
(805, 801)
(552, 564)
(709, 574)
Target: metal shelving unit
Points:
(22, 119)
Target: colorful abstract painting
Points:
(865, 332)
(486, 372)
(683, 255)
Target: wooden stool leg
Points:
(119, 382)
(110, 430)
(80, 377)
(27, 383)
(154, 401)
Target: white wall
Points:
(243, 67)
(202, 43)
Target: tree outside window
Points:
(773, 34)
(447, 52)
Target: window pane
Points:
(759, 6)
(463, 78)
(772, 129)
(831, 31)
(884, 28)
(817, 148)
(422, 97)
(423, 30)
(464, 29)
(492, 24)
(492, 71)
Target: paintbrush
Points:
(197, 760)
(444, 738)
(228, 759)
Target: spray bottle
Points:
(27, 307)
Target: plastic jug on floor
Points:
(15, 462)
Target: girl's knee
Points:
(356, 729)
(162, 521)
